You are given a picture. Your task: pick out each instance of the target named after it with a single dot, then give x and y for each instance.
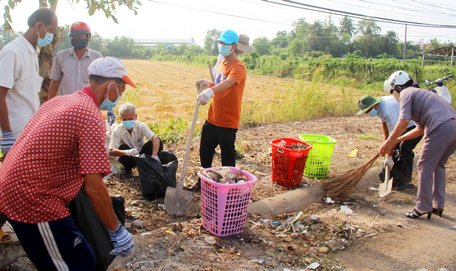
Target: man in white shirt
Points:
(20, 81)
(127, 139)
(401, 160)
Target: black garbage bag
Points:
(92, 228)
(155, 177)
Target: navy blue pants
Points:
(55, 245)
(211, 137)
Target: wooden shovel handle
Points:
(189, 145)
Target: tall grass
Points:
(302, 102)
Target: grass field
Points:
(166, 95)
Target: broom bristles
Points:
(342, 186)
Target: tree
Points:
(346, 29)
(46, 53)
(368, 27)
(210, 42)
(262, 46)
(281, 40)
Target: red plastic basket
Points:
(288, 164)
(224, 206)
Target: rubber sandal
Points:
(5, 237)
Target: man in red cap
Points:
(61, 149)
(69, 69)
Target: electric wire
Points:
(360, 16)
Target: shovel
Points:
(177, 200)
(385, 187)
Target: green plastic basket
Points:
(319, 158)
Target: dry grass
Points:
(166, 92)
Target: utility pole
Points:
(405, 43)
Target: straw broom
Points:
(342, 186)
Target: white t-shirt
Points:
(120, 136)
(388, 111)
(19, 73)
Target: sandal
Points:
(415, 214)
(437, 211)
(5, 237)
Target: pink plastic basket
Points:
(224, 206)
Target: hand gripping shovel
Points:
(385, 187)
(177, 200)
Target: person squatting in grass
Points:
(434, 118)
(61, 149)
(20, 81)
(127, 139)
(225, 109)
(401, 160)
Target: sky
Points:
(191, 19)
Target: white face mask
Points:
(396, 95)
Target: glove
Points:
(205, 96)
(388, 162)
(131, 152)
(122, 240)
(201, 84)
(110, 117)
(156, 158)
(7, 141)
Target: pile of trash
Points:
(224, 175)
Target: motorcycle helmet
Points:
(79, 28)
(398, 78)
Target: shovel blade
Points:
(385, 188)
(177, 201)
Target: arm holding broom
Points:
(393, 138)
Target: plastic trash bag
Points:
(94, 231)
(155, 177)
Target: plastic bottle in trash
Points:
(282, 143)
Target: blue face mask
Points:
(47, 39)
(128, 124)
(224, 50)
(107, 104)
(373, 112)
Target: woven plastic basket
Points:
(224, 206)
(319, 158)
(289, 157)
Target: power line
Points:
(299, 5)
(219, 13)
(419, 12)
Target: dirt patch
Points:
(375, 236)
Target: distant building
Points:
(153, 42)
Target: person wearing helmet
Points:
(69, 68)
(436, 120)
(401, 160)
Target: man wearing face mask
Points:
(20, 81)
(127, 139)
(401, 160)
(69, 68)
(225, 110)
(61, 150)
(436, 120)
